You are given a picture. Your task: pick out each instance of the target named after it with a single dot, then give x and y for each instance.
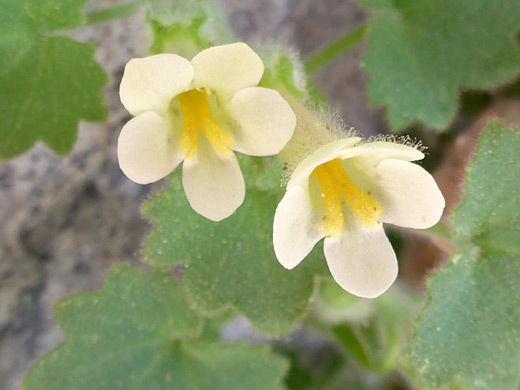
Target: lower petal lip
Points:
(362, 262)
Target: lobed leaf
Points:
(49, 83)
(139, 333)
(420, 53)
(468, 336)
(232, 262)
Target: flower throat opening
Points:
(335, 185)
(197, 117)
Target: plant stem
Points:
(343, 44)
(119, 11)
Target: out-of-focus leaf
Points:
(185, 27)
(373, 331)
(49, 83)
(421, 52)
(283, 71)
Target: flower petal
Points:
(148, 149)
(380, 150)
(265, 121)
(407, 194)
(228, 68)
(214, 186)
(296, 227)
(362, 261)
(326, 153)
(149, 84)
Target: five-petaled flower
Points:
(344, 191)
(199, 112)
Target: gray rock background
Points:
(66, 221)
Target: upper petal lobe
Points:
(227, 69)
(149, 84)
(265, 121)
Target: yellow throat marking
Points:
(197, 117)
(335, 185)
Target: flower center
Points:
(335, 185)
(197, 118)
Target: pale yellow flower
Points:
(343, 192)
(201, 112)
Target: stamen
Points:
(336, 184)
(330, 196)
(220, 140)
(197, 116)
(189, 140)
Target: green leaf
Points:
(468, 336)
(185, 27)
(49, 83)
(233, 367)
(232, 262)
(136, 333)
(123, 337)
(420, 53)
